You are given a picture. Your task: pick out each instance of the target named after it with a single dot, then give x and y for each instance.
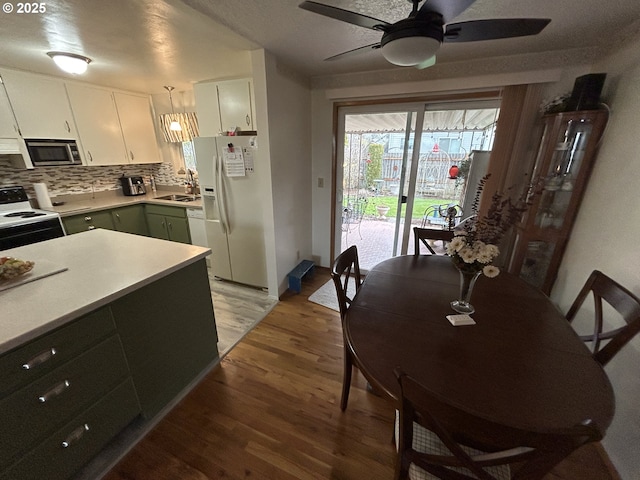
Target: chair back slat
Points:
(422, 235)
(622, 300)
(345, 271)
(477, 444)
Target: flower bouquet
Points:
(475, 243)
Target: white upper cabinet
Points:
(96, 117)
(236, 104)
(40, 105)
(225, 105)
(11, 142)
(8, 124)
(112, 128)
(138, 129)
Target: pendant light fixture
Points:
(174, 125)
(70, 62)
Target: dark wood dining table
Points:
(521, 364)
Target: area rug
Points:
(327, 297)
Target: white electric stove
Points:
(20, 224)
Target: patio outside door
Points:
(396, 173)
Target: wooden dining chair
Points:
(423, 235)
(622, 300)
(345, 273)
(438, 440)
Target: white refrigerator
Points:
(229, 170)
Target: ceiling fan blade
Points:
(476, 30)
(353, 52)
(344, 15)
(429, 62)
(449, 9)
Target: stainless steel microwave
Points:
(48, 152)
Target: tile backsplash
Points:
(69, 180)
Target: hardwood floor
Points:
(271, 411)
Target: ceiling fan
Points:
(413, 41)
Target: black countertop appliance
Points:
(132, 185)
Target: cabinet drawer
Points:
(85, 436)
(66, 342)
(37, 410)
(88, 221)
(166, 210)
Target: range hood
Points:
(10, 146)
(15, 151)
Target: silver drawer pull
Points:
(54, 392)
(75, 435)
(40, 358)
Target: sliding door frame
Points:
(402, 102)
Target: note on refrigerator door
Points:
(248, 159)
(233, 162)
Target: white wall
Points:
(605, 237)
(286, 98)
(322, 139)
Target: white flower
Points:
(491, 271)
(484, 257)
(467, 254)
(456, 244)
(493, 250)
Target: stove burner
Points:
(27, 214)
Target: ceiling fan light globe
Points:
(410, 51)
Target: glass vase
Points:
(467, 281)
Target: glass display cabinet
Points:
(565, 158)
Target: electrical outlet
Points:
(320, 182)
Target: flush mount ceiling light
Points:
(70, 62)
(174, 125)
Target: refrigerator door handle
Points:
(222, 206)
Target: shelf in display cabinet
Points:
(565, 158)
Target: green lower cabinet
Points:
(130, 219)
(171, 342)
(89, 380)
(88, 221)
(168, 223)
(69, 448)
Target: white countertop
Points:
(113, 199)
(103, 265)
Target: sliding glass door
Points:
(403, 166)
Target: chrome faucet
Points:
(192, 181)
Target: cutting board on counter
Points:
(41, 269)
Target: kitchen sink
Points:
(179, 197)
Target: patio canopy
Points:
(434, 121)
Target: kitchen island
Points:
(104, 349)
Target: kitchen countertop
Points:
(103, 265)
(113, 199)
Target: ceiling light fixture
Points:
(412, 43)
(174, 125)
(70, 62)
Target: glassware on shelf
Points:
(536, 262)
(567, 183)
(553, 183)
(547, 218)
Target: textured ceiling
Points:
(145, 44)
